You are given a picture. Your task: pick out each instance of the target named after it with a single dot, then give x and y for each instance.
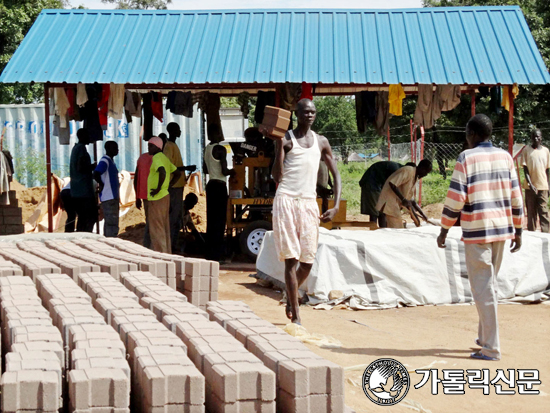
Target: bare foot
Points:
(288, 311)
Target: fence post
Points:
(389, 145)
(48, 156)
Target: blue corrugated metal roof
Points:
(466, 45)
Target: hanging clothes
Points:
(289, 93)
(382, 120)
(132, 105)
(147, 117)
(116, 101)
(73, 113)
(183, 104)
(63, 133)
(90, 114)
(103, 105)
(5, 177)
(201, 100)
(307, 91)
(156, 105)
(264, 99)
(62, 105)
(425, 108)
(242, 100)
(506, 95)
(81, 95)
(395, 98)
(448, 96)
(365, 109)
(495, 104)
(213, 112)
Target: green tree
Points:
(16, 18)
(533, 103)
(139, 4)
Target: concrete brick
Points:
(162, 385)
(215, 405)
(98, 387)
(106, 306)
(44, 365)
(41, 346)
(31, 390)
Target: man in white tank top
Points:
(295, 212)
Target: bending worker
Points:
(398, 192)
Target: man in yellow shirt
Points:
(162, 176)
(173, 153)
(536, 163)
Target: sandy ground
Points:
(441, 337)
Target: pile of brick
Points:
(306, 382)
(33, 350)
(11, 217)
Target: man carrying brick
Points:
(295, 210)
(106, 175)
(485, 193)
(536, 164)
(162, 176)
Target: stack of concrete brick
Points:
(11, 217)
(97, 381)
(31, 264)
(236, 380)
(8, 268)
(111, 265)
(305, 381)
(69, 265)
(32, 348)
(163, 377)
(164, 270)
(196, 278)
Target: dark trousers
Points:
(86, 211)
(68, 205)
(216, 216)
(537, 206)
(111, 211)
(176, 212)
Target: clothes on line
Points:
(365, 109)
(116, 101)
(395, 98)
(382, 120)
(506, 95)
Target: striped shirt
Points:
(485, 193)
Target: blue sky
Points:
(270, 4)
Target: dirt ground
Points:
(28, 197)
(439, 337)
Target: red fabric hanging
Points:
(103, 105)
(156, 105)
(307, 91)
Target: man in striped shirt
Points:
(485, 193)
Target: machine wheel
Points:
(252, 237)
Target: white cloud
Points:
(269, 4)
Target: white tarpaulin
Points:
(390, 268)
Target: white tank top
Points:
(214, 165)
(300, 170)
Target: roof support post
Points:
(473, 99)
(511, 122)
(48, 156)
(389, 145)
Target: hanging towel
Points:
(116, 101)
(156, 105)
(73, 113)
(62, 105)
(395, 98)
(132, 105)
(506, 95)
(307, 91)
(289, 94)
(213, 112)
(103, 105)
(382, 120)
(425, 109)
(81, 95)
(63, 133)
(495, 104)
(449, 97)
